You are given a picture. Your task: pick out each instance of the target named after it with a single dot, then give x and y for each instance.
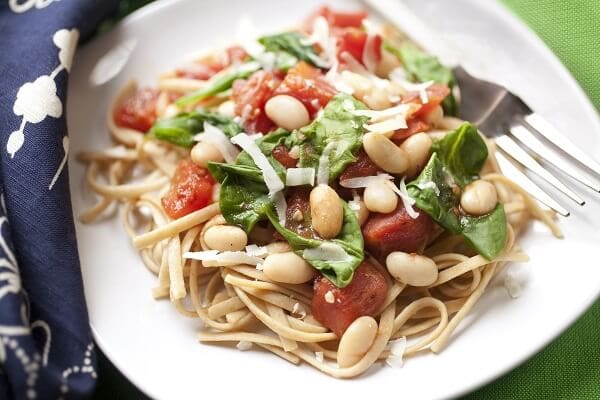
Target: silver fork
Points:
(518, 131)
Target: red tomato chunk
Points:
(282, 154)
(436, 93)
(308, 85)
(396, 231)
(250, 97)
(191, 190)
(207, 68)
(414, 125)
(353, 41)
(365, 295)
(338, 19)
(138, 111)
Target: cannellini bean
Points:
(385, 154)
(379, 197)
(377, 99)
(359, 84)
(227, 108)
(362, 213)
(435, 117)
(479, 197)
(287, 112)
(418, 148)
(412, 269)
(225, 238)
(287, 268)
(326, 211)
(356, 341)
(387, 64)
(203, 152)
(278, 247)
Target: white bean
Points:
(412, 269)
(479, 197)
(227, 108)
(278, 247)
(377, 99)
(379, 197)
(356, 341)
(203, 152)
(418, 148)
(287, 112)
(326, 211)
(385, 154)
(287, 268)
(225, 238)
(387, 64)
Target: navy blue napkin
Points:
(46, 349)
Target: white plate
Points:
(156, 348)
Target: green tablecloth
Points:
(569, 368)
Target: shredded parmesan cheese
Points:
(280, 206)
(216, 137)
(320, 36)
(364, 181)
(396, 348)
(327, 251)
(323, 174)
(256, 251)
(406, 199)
(270, 176)
(512, 285)
(300, 176)
(369, 55)
(298, 311)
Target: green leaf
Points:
(181, 129)
(292, 43)
(456, 161)
(350, 239)
(423, 67)
(463, 152)
(337, 127)
(219, 84)
(284, 61)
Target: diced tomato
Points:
(365, 295)
(191, 190)
(363, 166)
(337, 19)
(353, 41)
(308, 85)
(298, 211)
(436, 93)
(414, 125)
(206, 69)
(250, 97)
(396, 231)
(282, 154)
(138, 111)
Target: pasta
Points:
(363, 139)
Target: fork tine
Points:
(522, 180)
(527, 137)
(547, 130)
(521, 156)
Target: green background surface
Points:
(569, 368)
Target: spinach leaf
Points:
(463, 152)
(350, 240)
(244, 196)
(219, 84)
(423, 67)
(180, 130)
(337, 128)
(292, 43)
(436, 191)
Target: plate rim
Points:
(522, 29)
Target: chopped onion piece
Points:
(406, 199)
(256, 251)
(364, 181)
(216, 137)
(327, 251)
(396, 348)
(300, 176)
(270, 176)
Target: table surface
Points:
(569, 368)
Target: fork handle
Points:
(404, 19)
